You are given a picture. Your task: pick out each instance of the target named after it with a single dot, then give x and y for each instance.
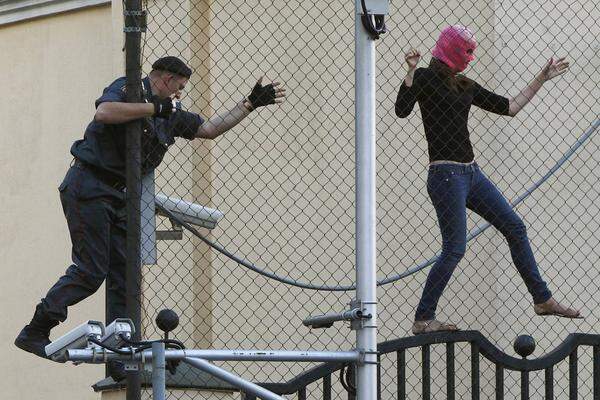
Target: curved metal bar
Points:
(343, 288)
(493, 353)
(480, 229)
(232, 379)
(486, 348)
(312, 375)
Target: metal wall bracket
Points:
(131, 366)
(327, 320)
(176, 233)
(363, 357)
(359, 322)
(135, 21)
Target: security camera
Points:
(378, 6)
(116, 334)
(188, 212)
(78, 338)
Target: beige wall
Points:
(52, 69)
(276, 168)
(39, 64)
(275, 171)
(563, 110)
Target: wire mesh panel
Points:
(284, 177)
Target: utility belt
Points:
(108, 178)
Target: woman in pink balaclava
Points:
(455, 182)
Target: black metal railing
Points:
(479, 346)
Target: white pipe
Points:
(366, 279)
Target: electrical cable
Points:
(143, 345)
(345, 378)
(110, 348)
(472, 235)
(173, 343)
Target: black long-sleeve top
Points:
(445, 113)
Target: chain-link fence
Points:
(284, 177)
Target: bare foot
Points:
(553, 307)
(432, 325)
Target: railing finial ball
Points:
(167, 320)
(524, 345)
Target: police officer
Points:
(93, 191)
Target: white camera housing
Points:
(380, 7)
(189, 212)
(77, 338)
(114, 333)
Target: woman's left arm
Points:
(552, 69)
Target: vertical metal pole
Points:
(596, 373)
(426, 372)
(549, 383)
(366, 279)
(327, 387)
(133, 181)
(450, 372)
(158, 371)
(524, 385)
(499, 382)
(302, 393)
(148, 221)
(573, 375)
(401, 374)
(378, 377)
(475, 371)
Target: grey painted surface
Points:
(16, 10)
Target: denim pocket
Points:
(440, 175)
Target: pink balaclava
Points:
(455, 47)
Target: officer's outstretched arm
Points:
(114, 112)
(118, 113)
(220, 123)
(260, 96)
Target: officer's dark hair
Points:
(173, 65)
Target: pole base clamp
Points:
(135, 21)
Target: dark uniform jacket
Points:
(103, 147)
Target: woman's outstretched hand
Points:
(412, 58)
(554, 68)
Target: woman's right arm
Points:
(406, 99)
(552, 69)
(410, 76)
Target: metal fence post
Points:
(133, 167)
(366, 278)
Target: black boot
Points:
(36, 335)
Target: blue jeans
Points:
(453, 188)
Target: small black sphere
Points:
(167, 320)
(524, 345)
